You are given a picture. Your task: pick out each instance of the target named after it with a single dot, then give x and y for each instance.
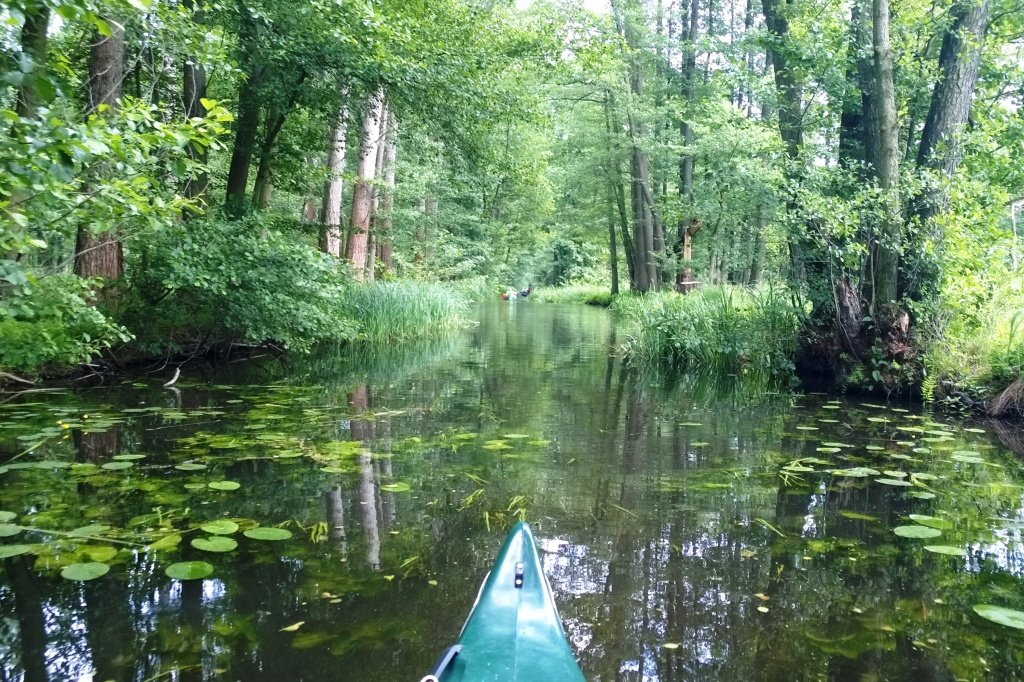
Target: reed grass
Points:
(574, 293)
(726, 328)
(386, 312)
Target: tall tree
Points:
(362, 195)
(331, 211)
(885, 249)
(99, 253)
(387, 200)
(33, 46)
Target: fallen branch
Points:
(12, 377)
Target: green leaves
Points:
(1011, 618)
(189, 570)
(270, 534)
(85, 571)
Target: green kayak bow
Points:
(513, 633)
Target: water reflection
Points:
(690, 527)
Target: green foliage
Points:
(53, 323)
(235, 281)
(727, 328)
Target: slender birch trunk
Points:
(387, 205)
(331, 211)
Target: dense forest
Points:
(779, 184)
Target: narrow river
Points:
(342, 510)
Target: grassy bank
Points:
(728, 329)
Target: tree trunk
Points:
(99, 254)
(684, 237)
(886, 247)
(387, 202)
(193, 92)
(246, 126)
(760, 244)
(789, 88)
(33, 44)
(851, 123)
(362, 196)
(331, 212)
(959, 62)
(613, 251)
(373, 238)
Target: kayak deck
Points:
(514, 631)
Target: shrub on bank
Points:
(727, 328)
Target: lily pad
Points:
(6, 516)
(90, 530)
(100, 553)
(399, 487)
(117, 466)
(893, 482)
(946, 549)
(515, 436)
(220, 527)
(931, 521)
(127, 458)
(1011, 618)
(225, 485)
(189, 570)
(166, 542)
(265, 533)
(190, 466)
(917, 532)
(215, 543)
(7, 530)
(84, 571)
(856, 472)
(14, 550)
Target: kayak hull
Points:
(514, 632)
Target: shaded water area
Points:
(691, 529)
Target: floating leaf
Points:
(691, 424)
(293, 627)
(807, 428)
(265, 533)
(215, 543)
(515, 436)
(128, 458)
(6, 516)
(190, 466)
(166, 542)
(399, 487)
(84, 571)
(1011, 618)
(974, 430)
(220, 527)
(699, 444)
(895, 474)
(946, 549)
(879, 420)
(189, 570)
(893, 482)
(922, 495)
(857, 516)
(225, 485)
(670, 645)
(856, 472)
(917, 532)
(14, 550)
(538, 443)
(967, 458)
(931, 521)
(99, 552)
(923, 476)
(7, 530)
(117, 466)
(91, 529)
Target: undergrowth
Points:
(589, 294)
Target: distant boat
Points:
(513, 633)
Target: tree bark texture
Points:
(331, 211)
(387, 201)
(788, 86)
(246, 125)
(33, 44)
(362, 196)
(886, 246)
(98, 253)
(194, 91)
(959, 62)
(373, 238)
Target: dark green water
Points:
(683, 538)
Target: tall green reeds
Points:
(729, 329)
(405, 310)
(574, 293)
